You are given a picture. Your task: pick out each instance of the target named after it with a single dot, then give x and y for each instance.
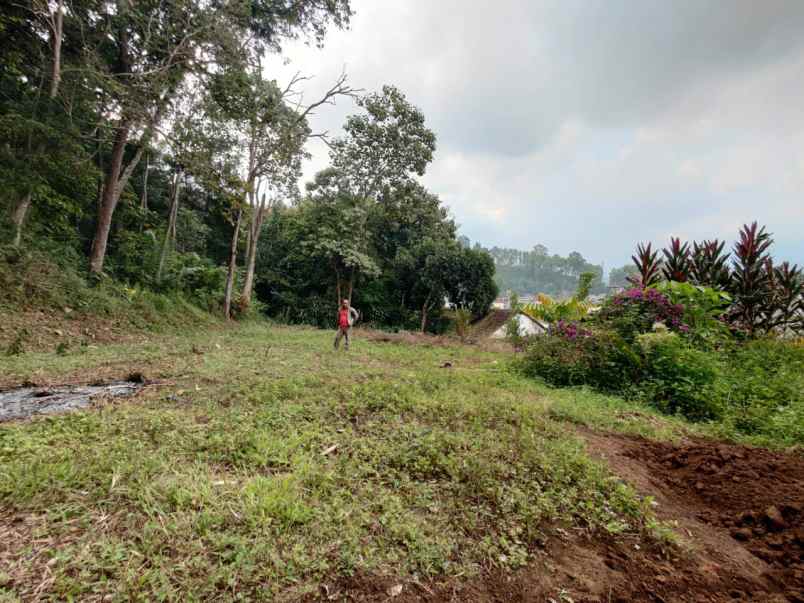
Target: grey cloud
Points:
(589, 124)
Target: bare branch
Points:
(339, 88)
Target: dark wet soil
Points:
(25, 402)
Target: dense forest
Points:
(146, 145)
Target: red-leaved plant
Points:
(709, 265)
(677, 263)
(751, 285)
(649, 267)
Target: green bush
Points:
(764, 385)
(680, 379)
(602, 360)
(703, 310)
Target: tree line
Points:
(539, 271)
(145, 142)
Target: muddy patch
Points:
(25, 402)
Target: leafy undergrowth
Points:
(47, 306)
(261, 463)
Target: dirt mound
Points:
(755, 494)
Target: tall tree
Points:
(151, 47)
(385, 147)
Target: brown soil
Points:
(736, 509)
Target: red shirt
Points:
(343, 318)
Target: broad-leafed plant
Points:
(786, 311)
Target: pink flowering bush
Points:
(569, 330)
(636, 311)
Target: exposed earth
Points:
(737, 509)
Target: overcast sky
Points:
(590, 125)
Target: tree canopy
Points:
(147, 142)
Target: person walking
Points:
(347, 316)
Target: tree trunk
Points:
(18, 217)
(227, 298)
(144, 198)
(424, 314)
(251, 257)
(351, 285)
(170, 233)
(337, 283)
(58, 28)
(111, 194)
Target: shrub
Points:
(679, 379)
(569, 330)
(636, 310)
(764, 298)
(599, 359)
(677, 263)
(551, 311)
(709, 265)
(648, 265)
(703, 311)
(462, 319)
(764, 384)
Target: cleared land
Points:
(257, 464)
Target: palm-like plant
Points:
(709, 265)
(786, 309)
(648, 265)
(677, 263)
(751, 279)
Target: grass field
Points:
(261, 464)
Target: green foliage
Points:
(750, 389)
(384, 147)
(637, 310)
(17, 345)
(680, 379)
(764, 299)
(462, 320)
(35, 281)
(602, 360)
(584, 285)
(551, 311)
(704, 310)
(764, 386)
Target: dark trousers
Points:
(343, 332)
